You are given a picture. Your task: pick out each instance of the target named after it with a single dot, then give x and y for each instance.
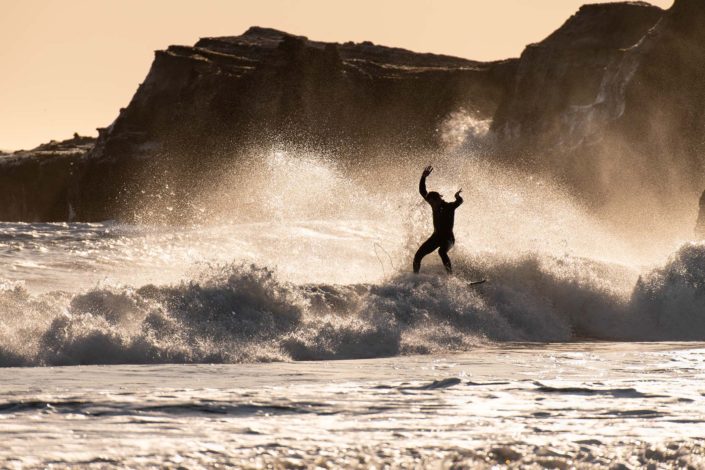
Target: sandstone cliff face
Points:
(566, 75)
(612, 104)
(34, 184)
(201, 108)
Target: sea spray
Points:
(288, 271)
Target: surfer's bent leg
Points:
(426, 247)
(445, 246)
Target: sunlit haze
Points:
(69, 66)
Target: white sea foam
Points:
(244, 313)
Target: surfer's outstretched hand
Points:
(458, 193)
(427, 171)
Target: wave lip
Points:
(670, 300)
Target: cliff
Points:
(34, 184)
(612, 104)
(201, 108)
(567, 73)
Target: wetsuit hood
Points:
(433, 196)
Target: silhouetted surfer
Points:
(443, 217)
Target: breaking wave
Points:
(245, 313)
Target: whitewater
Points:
(285, 328)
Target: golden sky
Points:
(68, 66)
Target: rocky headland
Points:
(34, 184)
(613, 103)
(614, 99)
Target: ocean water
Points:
(286, 330)
(585, 405)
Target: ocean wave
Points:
(670, 301)
(245, 313)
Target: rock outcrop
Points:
(201, 108)
(34, 184)
(564, 78)
(700, 224)
(612, 104)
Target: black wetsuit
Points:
(442, 238)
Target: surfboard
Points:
(475, 283)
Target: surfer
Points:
(443, 217)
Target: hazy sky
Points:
(70, 65)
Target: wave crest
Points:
(244, 313)
(671, 299)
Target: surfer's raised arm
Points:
(458, 199)
(422, 184)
